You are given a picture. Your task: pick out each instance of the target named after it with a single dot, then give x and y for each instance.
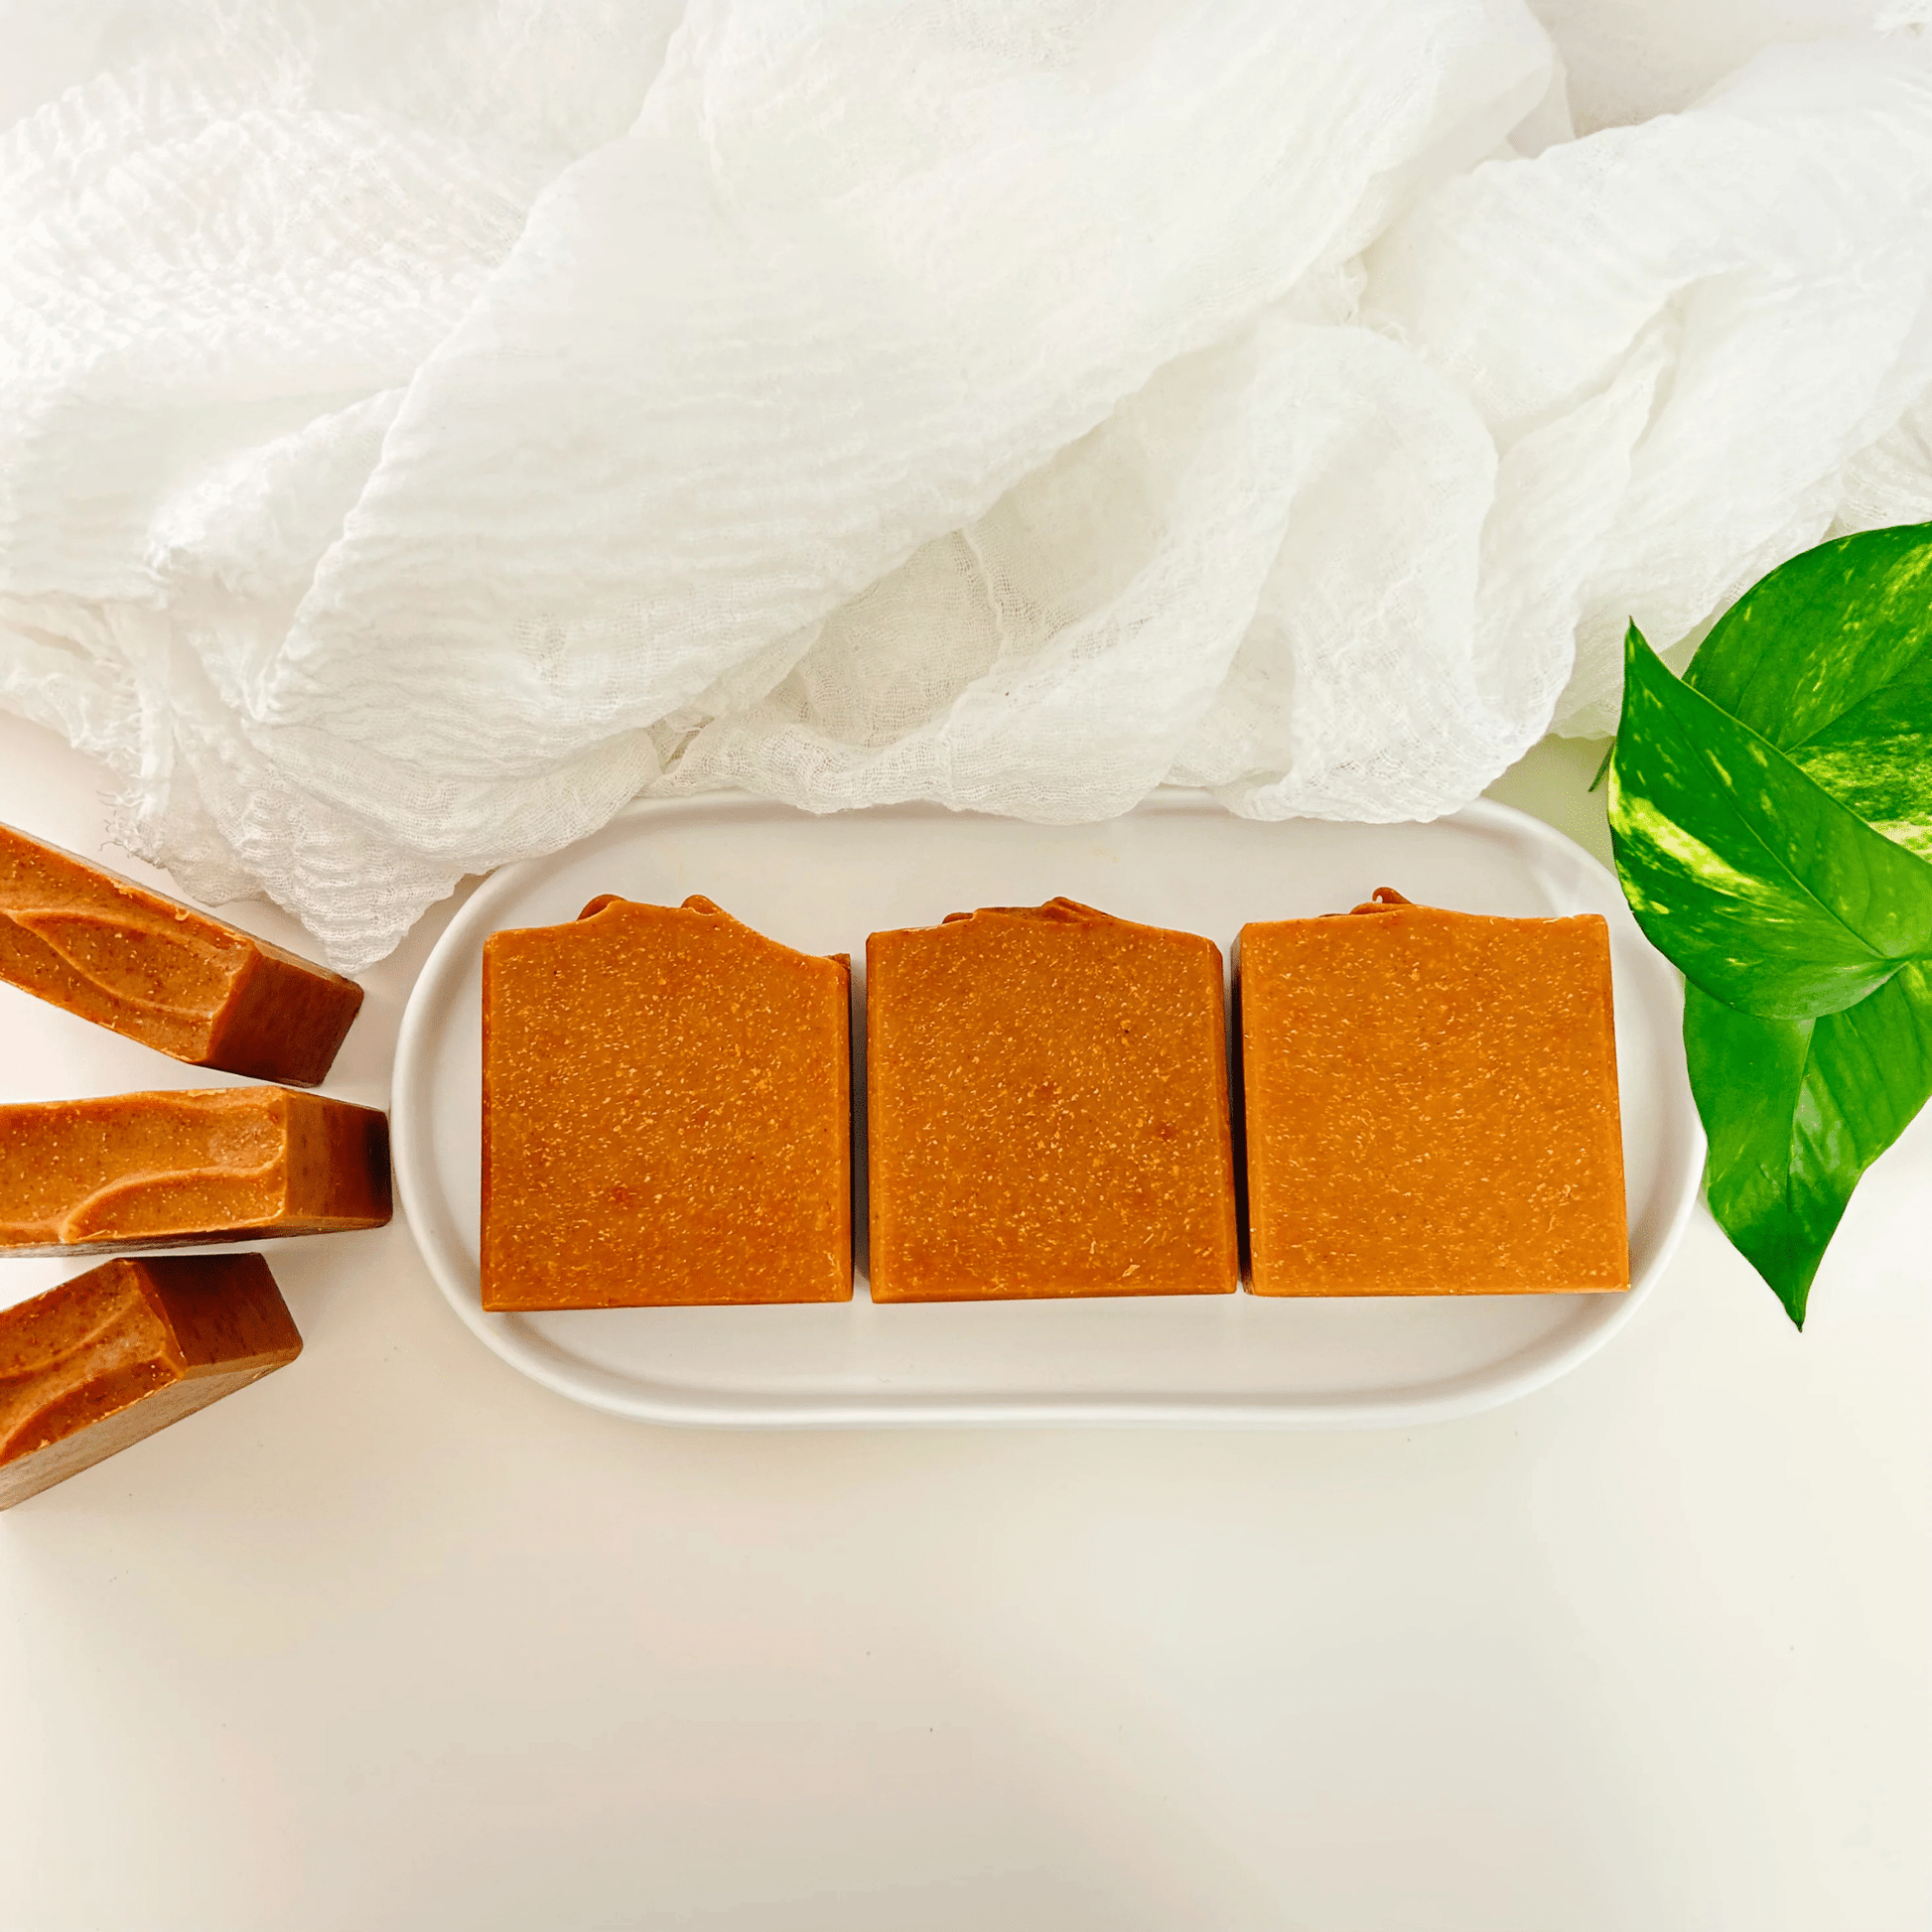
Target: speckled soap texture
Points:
(1048, 1096)
(667, 1114)
(103, 1361)
(1432, 1104)
(148, 967)
(175, 1169)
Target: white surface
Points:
(1180, 860)
(424, 424)
(398, 1641)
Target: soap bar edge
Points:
(171, 1288)
(251, 1034)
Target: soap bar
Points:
(94, 1365)
(667, 1114)
(1048, 1102)
(1432, 1104)
(193, 987)
(168, 1170)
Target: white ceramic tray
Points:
(823, 883)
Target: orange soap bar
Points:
(199, 989)
(667, 1114)
(169, 1170)
(1431, 1104)
(94, 1365)
(1048, 1098)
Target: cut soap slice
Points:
(196, 988)
(170, 1169)
(1432, 1104)
(667, 1114)
(94, 1365)
(1049, 1109)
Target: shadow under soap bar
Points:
(667, 1114)
(170, 1169)
(196, 988)
(1432, 1104)
(1048, 1102)
(98, 1363)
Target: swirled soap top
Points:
(102, 1361)
(159, 972)
(174, 1169)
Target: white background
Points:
(397, 1639)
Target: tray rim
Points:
(1533, 1367)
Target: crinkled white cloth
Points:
(422, 426)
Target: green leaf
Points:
(1829, 657)
(1771, 792)
(1763, 888)
(1796, 1110)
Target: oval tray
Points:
(1180, 860)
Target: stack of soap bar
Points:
(99, 1362)
(167, 1170)
(1048, 1105)
(152, 969)
(1432, 1104)
(667, 1114)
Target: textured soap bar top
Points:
(1047, 1103)
(1432, 1104)
(667, 1114)
(168, 1170)
(111, 1356)
(149, 967)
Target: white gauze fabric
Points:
(424, 426)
